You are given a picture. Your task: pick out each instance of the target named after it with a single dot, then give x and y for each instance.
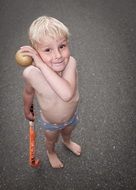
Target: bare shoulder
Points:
(71, 68)
(29, 71)
(72, 61)
(71, 64)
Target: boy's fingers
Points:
(28, 48)
(31, 119)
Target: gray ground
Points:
(103, 42)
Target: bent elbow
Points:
(67, 97)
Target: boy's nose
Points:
(57, 55)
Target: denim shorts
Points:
(54, 127)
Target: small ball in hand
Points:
(23, 59)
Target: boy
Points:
(53, 79)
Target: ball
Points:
(23, 59)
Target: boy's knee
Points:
(51, 138)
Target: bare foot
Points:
(75, 148)
(54, 160)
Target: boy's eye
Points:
(62, 46)
(47, 50)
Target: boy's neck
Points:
(59, 73)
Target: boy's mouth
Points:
(58, 63)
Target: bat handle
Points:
(31, 124)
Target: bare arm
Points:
(64, 86)
(28, 95)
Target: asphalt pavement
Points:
(103, 40)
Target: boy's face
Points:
(55, 53)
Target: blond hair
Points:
(45, 26)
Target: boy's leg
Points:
(51, 139)
(66, 135)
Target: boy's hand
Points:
(29, 115)
(29, 51)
